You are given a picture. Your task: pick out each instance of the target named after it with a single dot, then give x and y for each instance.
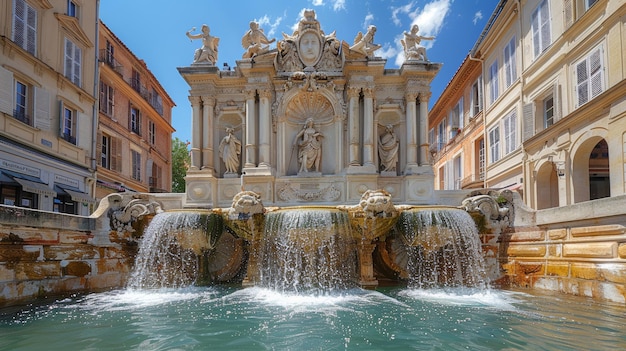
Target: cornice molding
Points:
(71, 25)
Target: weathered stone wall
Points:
(579, 250)
(44, 254)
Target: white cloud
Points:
(317, 2)
(395, 11)
(273, 26)
(477, 17)
(339, 5)
(368, 20)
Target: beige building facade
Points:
(47, 104)
(134, 137)
(553, 81)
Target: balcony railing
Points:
(69, 138)
(107, 58)
(21, 116)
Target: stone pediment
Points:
(72, 26)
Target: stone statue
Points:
(230, 149)
(365, 43)
(255, 42)
(208, 51)
(388, 150)
(309, 144)
(411, 41)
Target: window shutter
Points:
(556, 96)
(42, 109)
(596, 73)
(76, 69)
(31, 30)
(116, 154)
(461, 114)
(61, 116)
(19, 23)
(529, 121)
(534, 19)
(569, 13)
(6, 91)
(582, 88)
(99, 148)
(545, 26)
(79, 118)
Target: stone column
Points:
(265, 127)
(208, 106)
(251, 143)
(411, 131)
(354, 129)
(423, 128)
(366, 265)
(368, 127)
(196, 136)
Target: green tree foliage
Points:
(180, 163)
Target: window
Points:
(106, 99)
(72, 8)
(135, 121)
(476, 98)
(63, 203)
(510, 71)
(510, 132)
(456, 119)
(155, 179)
(135, 82)
(441, 135)
(494, 144)
(481, 159)
(540, 23)
(25, 26)
(73, 59)
(589, 3)
(548, 111)
(68, 125)
(136, 165)
(22, 102)
(493, 82)
(152, 132)
(105, 151)
(458, 172)
(589, 77)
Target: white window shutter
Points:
(556, 98)
(529, 121)
(42, 109)
(61, 116)
(6, 91)
(596, 73)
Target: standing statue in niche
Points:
(255, 42)
(230, 149)
(411, 41)
(208, 51)
(365, 43)
(309, 144)
(388, 150)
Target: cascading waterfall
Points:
(442, 248)
(172, 249)
(307, 250)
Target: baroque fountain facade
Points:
(308, 155)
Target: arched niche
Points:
(391, 115)
(547, 186)
(297, 106)
(228, 119)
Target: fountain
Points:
(310, 221)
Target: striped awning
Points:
(79, 196)
(35, 187)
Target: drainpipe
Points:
(96, 94)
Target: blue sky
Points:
(155, 31)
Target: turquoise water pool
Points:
(229, 318)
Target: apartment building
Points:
(554, 107)
(134, 136)
(48, 89)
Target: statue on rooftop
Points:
(208, 51)
(411, 41)
(254, 41)
(365, 43)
